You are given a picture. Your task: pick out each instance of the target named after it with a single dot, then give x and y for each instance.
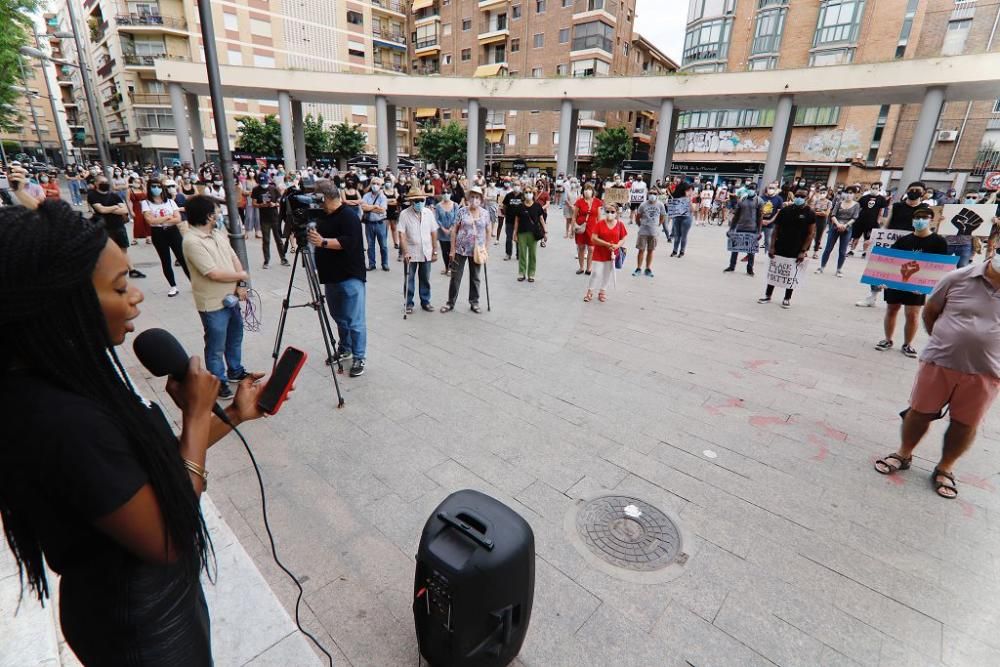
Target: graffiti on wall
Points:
(833, 145)
(718, 141)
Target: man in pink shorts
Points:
(959, 368)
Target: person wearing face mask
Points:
(470, 230)
(251, 215)
(373, 206)
(529, 229)
(842, 218)
(50, 186)
(821, 204)
(513, 203)
(900, 218)
(793, 232)
(921, 240)
(444, 214)
(950, 197)
(418, 237)
(607, 235)
(681, 222)
(110, 209)
(747, 218)
(163, 217)
(650, 216)
(873, 204)
(959, 368)
(170, 190)
(264, 199)
(772, 201)
(119, 184)
(586, 213)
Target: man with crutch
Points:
(417, 230)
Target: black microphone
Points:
(162, 355)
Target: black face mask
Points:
(913, 195)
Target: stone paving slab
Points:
(755, 425)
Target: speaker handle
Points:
(468, 530)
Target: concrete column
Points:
(197, 134)
(287, 138)
(181, 127)
(574, 124)
(481, 152)
(663, 152)
(299, 134)
(390, 121)
(781, 134)
(923, 136)
(382, 130)
(567, 146)
(474, 141)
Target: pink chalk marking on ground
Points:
(895, 480)
(716, 410)
(738, 376)
(978, 482)
(968, 509)
(712, 410)
(832, 432)
(760, 421)
(816, 440)
(821, 454)
(755, 364)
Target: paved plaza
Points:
(754, 427)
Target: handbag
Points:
(479, 254)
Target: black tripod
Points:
(317, 303)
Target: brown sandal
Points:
(890, 469)
(589, 296)
(940, 486)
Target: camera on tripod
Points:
(302, 209)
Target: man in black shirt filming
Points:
(340, 263)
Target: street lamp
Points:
(26, 50)
(45, 57)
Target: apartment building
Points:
(36, 133)
(833, 143)
(125, 37)
(529, 38)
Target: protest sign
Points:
(616, 196)
(742, 242)
(676, 207)
(906, 271)
(785, 272)
(884, 238)
(966, 219)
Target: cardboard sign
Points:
(884, 238)
(742, 242)
(676, 207)
(965, 219)
(616, 196)
(785, 272)
(916, 272)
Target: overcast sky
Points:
(662, 23)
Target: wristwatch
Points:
(323, 244)
(241, 283)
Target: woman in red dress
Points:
(587, 212)
(136, 195)
(606, 237)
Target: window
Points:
(555, 138)
(625, 51)
(258, 27)
(163, 120)
(955, 36)
(466, 55)
(562, 69)
(500, 53)
(593, 35)
(515, 12)
(592, 5)
(996, 107)
(235, 57)
(567, 3)
(356, 49)
(446, 59)
(145, 45)
(539, 6)
(817, 116)
(515, 45)
(759, 64)
(263, 61)
(831, 57)
(707, 41)
(590, 67)
(700, 9)
(424, 36)
(230, 21)
(767, 32)
(511, 139)
(839, 21)
(585, 142)
(446, 114)
(538, 41)
(532, 138)
(563, 35)
(445, 29)
(512, 113)
(355, 18)
(466, 25)
(536, 73)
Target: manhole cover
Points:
(629, 533)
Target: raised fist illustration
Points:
(908, 269)
(966, 221)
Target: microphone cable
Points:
(252, 311)
(274, 551)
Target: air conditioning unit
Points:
(947, 135)
(881, 162)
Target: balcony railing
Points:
(132, 60)
(151, 20)
(426, 43)
(388, 35)
(381, 64)
(105, 69)
(144, 131)
(392, 5)
(149, 98)
(427, 70)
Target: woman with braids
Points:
(92, 478)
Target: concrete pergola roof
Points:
(970, 77)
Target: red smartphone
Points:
(280, 383)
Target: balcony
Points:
(391, 6)
(602, 9)
(494, 31)
(146, 131)
(396, 38)
(150, 99)
(151, 24)
(386, 65)
(598, 42)
(426, 46)
(136, 62)
(105, 69)
(427, 70)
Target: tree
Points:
(443, 146)
(347, 141)
(613, 146)
(259, 138)
(15, 17)
(317, 136)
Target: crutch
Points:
(406, 280)
(486, 277)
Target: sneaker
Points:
(728, 269)
(840, 274)
(883, 345)
(750, 272)
(673, 254)
(648, 273)
(358, 368)
(815, 255)
(177, 262)
(681, 254)
(343, 354)
(135, 273)
(284, 262)
(637, 272)
(863, 255)
(764, 299)
(819, 270)
(867, 302)
(238, 377)
(371, 268)
(427, 307)
(225, 391)
(786, 304)
(385, 268)
(173, 292)
(265, 266)
(850, 253)
(908, 351)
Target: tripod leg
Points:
(284, 315)
(319, 305)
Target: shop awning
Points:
(489, 70)
(421, 4)
(426, 112)
(494, 136)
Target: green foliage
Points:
(612, 147)
(444, 146)
(260, 138)
(317, 136)
(347, 140)
(17, 28)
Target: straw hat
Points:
(414, 193)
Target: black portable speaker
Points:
(474, 584)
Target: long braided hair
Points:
(51, 323)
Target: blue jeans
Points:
(346, 300)
(74, 191)
(223, 338)
(964, 252)
(768, 231)
(422, 272)
(682, 225)
(373, 231)
(832, 236)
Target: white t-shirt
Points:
(706, 196)
(161, 210)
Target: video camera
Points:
(302, 207)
